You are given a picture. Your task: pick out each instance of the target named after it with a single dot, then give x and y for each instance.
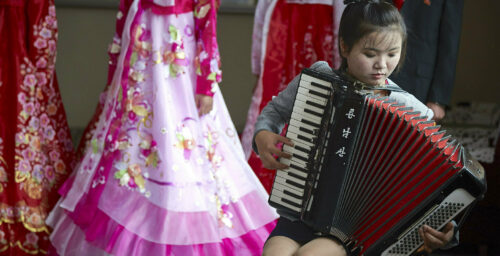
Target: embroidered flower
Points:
(52, 10)
(44, 120)
(32, 238)
(49, 132)
(52, 46)
(41, 63)
(30, 80)
(36, 220)
(54, 155)
(34, 124)
(33, 189)
(185, 140)
(35, 143)
(38, 173)
(50, 173)
(60, 166)
(201, 11)
(40, 43)
(24, 166)
(46, 33)
(51, 109)
(28, 154)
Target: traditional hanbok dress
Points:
(288, 35)
(36, 151)
(155, 178)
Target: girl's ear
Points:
(343, 48)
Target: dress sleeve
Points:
(207, 61)
(263, 6)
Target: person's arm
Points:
(278, 111)
(410, 101)
(272, 120)
(207, 61)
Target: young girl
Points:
(163, 172)
(372, 40)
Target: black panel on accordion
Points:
(370, 171)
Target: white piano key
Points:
(307, 92)
(281, 187)
(280, 202)
(286, 176)
(280, 194)
(295, 138)
(305, 97)
(296, 130)
(298, 111)
(307, 85)
(310, 107)
(293, 151)
(316, 80)
(296, 172)
(299, 124)
(289, 162)
(283, 182)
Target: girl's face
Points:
(373, 58)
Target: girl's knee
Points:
(280, 246)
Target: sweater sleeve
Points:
(207, 59)
(278, 111)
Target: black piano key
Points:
(305, 121)
(286, 192)
(313, 92)
(291, 203)
(295, 184)
(314, 104)
(312, 112)
(291, 174)
(297, 147)
(304, 138)
(300, 157)
(298, 168)
(306, 130)
(321, 86)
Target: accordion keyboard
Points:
(309, 107)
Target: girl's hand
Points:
(434, 239)
(204, 103)
(266, 144)
(438, 110)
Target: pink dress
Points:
(154, 177)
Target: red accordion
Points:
(370, 171)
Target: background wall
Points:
(84, 34)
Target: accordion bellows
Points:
(369, 170)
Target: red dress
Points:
(288, 36)
(36, 152)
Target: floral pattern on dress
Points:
(43, 154)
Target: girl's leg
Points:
(322, 246)
(280, 246)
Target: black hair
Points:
(361, 18)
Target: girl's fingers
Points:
(435, 234)
(285, 140)
(271, 163)
(277, 151)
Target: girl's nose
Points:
(380, 63)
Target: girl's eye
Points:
(393, 54)
(369, 55)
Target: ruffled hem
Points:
(104, 236)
